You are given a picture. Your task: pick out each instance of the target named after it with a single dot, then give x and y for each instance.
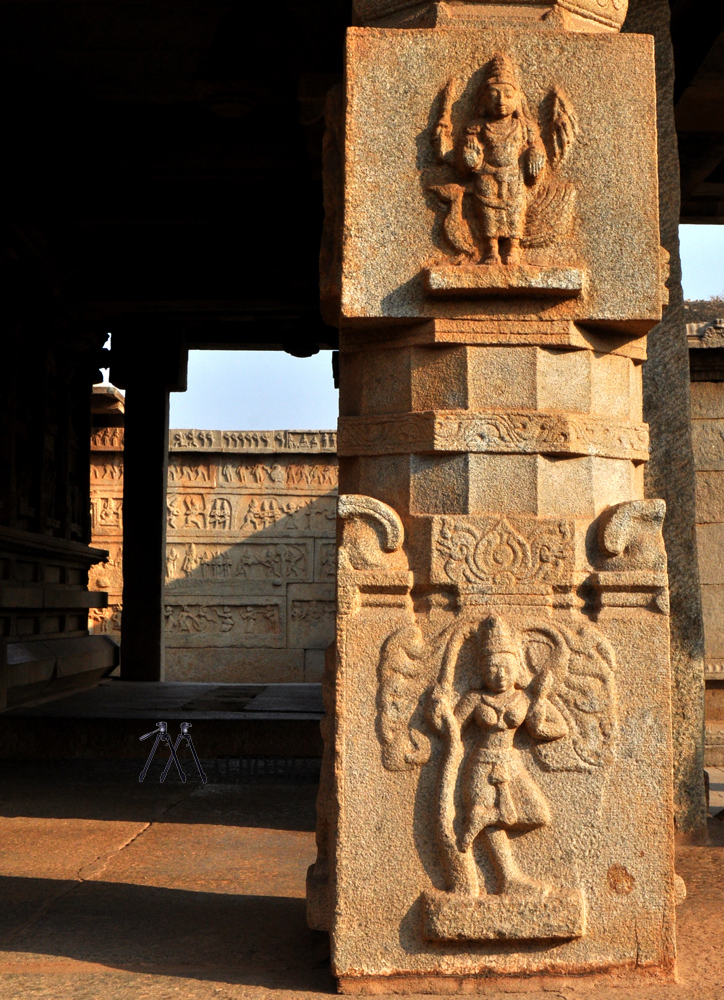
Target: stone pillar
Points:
(497, 795)
(147, 368)
(670, 472)
(144, 530)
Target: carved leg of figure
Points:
(512, 253)
(490, 253)
(510, 878)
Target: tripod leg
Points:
(144, 772)
(169, 761)
(196, 758)
(181, 772)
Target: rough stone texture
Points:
(249, 555)
(405, 197)
(501, 678)
(707, 427)
(574, 15)
(670, 471)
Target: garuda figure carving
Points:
(509, 196)
(552, 682)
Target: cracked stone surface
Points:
(144, 892)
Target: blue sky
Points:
(262, 390)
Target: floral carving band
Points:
(526, 432)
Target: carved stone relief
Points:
(248, 619)
(505, 194)
(524, 432)
(305, 442)
(503, 555)
(105, 621)
(107, 470)
(107, 439)
(106, 514)
(241, 530)
(555, 683)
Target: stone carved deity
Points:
(508, 170)
(552, 684)
(499, 794)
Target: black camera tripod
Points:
(162, 735)
(184, 735)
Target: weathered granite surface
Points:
(249, 555)
(500, 693)
(670, 471)
(705, 336)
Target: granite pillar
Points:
(670, 472)
(501, 681)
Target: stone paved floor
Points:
(173, 700)
(113, 890)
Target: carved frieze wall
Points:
(250, 554)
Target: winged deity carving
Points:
(555, 683)
(508, 195)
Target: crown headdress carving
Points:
(496, 636)
(501, 69)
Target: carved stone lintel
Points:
(635, 589)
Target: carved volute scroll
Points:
(363, 554)
(632, 567)
(630, 535)
(370, 558)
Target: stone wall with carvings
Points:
(705, 335)
(249, 556)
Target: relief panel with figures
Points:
(273, 562)
(224, 621)
(251, 521)
(279, 474)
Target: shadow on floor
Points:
(256, 940)
(110, 790)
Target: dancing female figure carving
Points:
(570, 701)
(498, 793)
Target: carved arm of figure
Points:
(465, 708)
(472, 155)
(544, 721)
(442, 136)
(534, 157)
